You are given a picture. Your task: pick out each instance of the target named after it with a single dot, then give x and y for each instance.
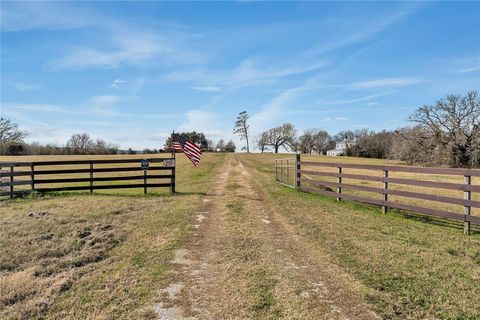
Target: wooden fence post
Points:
(144, 181)
(288, 173)
(172, 181)
(297, 171)
(385, 187)
(467, 195)
(32, 177)
(11, 181)
(339, 181)
(281, 170)
(91, 177)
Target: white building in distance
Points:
(340, 149)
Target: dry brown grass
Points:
(417, 268)
(245, 264)
(184, 178)
(103, 256)
(403, 175)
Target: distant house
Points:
(340, 149)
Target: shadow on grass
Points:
(408, 215)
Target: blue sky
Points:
(131, 72)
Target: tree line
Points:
(446, 133)
(12, 142)
(205, 144)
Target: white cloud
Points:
(207, 88)
(25, 87)
(469, 70)
(35, 107)
(116, 83)
(104, 105)
(270, 111)
(247, 72)
(362, 33)
(384, 82)
(129, 49)
(373, 104)
(18, 16)
(350, 101)
(341, 118)
(207, 122)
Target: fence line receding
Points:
(312, 176)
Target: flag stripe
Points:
(190, 149)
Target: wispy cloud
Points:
(350, 101)
(272, 110)
(20, 16)
(207, 88)
(385, 82)
(103, 105)
(203, 121)
(7, 107)
(127, 49)
(469, 70)
(26, 87)
(117, 83)
(365, 31)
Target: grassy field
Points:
(104, 256)
(404, 175)
(180, 179)
(417, 268)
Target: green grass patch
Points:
(414, 266)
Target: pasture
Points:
(261, 248)
(103, 256)
(417, 267)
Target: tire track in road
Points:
(245, 261)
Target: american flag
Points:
(191, 150)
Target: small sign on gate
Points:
(169, 163)
(145, 165)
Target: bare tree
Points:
(317, 140)
(320, 141)
(80, 143)
(242, 128)
(454, 122)
(282, 136)
(230, 146)
(220, 145)
(371, 144)
(210, 146)
(345, 136)
(305, 142)
(10, 133)
(262, 141)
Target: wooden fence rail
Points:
(309, 180)
(9, 181)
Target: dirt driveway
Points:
(245, 261)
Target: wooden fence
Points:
(309, 178)
(20, 178)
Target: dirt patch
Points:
(244, 263)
